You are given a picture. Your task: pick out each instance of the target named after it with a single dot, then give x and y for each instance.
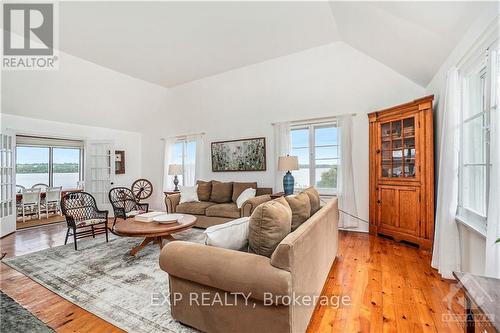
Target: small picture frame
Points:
(119, 162)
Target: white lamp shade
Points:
(286, 163)
(174, 169)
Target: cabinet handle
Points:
(378, 151)
(378, 201)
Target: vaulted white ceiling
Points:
(170, 43)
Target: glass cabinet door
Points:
(398, 148)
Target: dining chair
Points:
(53, 200)
(31, 202)
(19, 200)
(41, 186)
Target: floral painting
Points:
(239, 155)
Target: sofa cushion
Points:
(269, 224)
(197, 208)
(189, 194)
(238, 188)
(204, 190)
(231, 235)
(223, 210)
(301, 208)
(221, 192)
(88, 222)
(313, 198)
(247, 194)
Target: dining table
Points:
(19, 196)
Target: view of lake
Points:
(66, 180)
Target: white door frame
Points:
(99, 164)
(8, 209)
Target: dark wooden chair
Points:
(125, 204)
(80, 210)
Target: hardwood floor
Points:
(391, 286)
(33, 222)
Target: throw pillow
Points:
(301, 208)
(188, 194)
(269, 224)
(313, 198)
(204, 190)
(238, 188)
(221, 192)
(249, 193)
(232, 235)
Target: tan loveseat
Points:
(202, 277)
(218, 202)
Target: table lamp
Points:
(174, 170)
(287, 163)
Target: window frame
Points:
(483, 65)
(311, 128)
(81, 159)
(184, 142)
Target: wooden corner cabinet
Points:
(402, 172)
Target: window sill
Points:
(475, 226)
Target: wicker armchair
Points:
(125, 204)
(80, 210)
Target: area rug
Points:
(105, 280)
(16, 319)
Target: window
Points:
(479, 80)
(317, 148)
(52, 162)
(185, 155)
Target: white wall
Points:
(324, 81)
(124, 140)
(80, 94)
(472, 244)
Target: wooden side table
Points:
(482, 302)
(278, 195)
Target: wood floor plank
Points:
(392, 288)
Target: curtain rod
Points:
(317, 119)
(182, 136)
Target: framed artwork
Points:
(119, 162)
(239, 155)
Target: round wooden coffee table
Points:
(152, 231)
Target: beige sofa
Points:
(299, 266)
(210, 213)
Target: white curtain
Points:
(282, 148)
(493, 227)
(346, 192)
(446, 251)
(191, 170)
(189, 154)
(168, 181)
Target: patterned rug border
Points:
(95, 310)
(90, 309)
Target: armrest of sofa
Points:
(228, 270)
(249, 205)
(171, 201)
